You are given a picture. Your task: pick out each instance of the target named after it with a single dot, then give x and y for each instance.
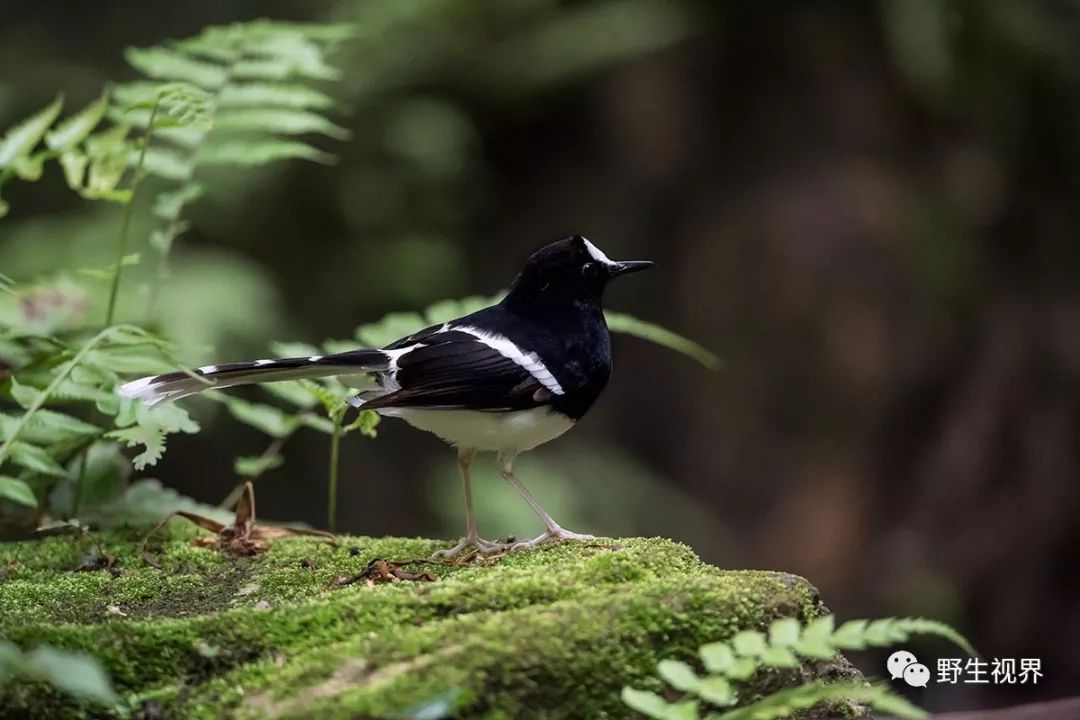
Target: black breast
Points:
(575, 347)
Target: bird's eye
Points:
(590, 270)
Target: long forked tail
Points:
(175, 385)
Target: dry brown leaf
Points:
(243, 537)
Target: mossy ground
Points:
(555, 632)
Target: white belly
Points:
(511, 432)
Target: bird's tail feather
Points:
(172, 386)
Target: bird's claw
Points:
(556, 533)
(475, 542)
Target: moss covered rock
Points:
(555, 632)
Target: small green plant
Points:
(236, 96)
(786, 645)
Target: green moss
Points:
(555, 632)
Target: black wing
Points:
(451, 369)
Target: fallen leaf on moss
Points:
(242, 537)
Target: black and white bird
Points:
(505, 379)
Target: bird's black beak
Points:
(629, 266)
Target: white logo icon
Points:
(899, 661)
(917, 675)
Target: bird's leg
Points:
(554, 530)
(472, 538)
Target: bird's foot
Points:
(556, 534)
(474, 542)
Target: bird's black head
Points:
(570, 270)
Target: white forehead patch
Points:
(597, 254)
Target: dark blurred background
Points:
(869, 210)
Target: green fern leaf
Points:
(74, 164)
(163, 63)
(151, 437)
(315, 422)
(716, 690)
(742, 669)
(683, 710)
(623, 323)
(57, 424)
(169, 205)
(284, 58)
(261, 151)
(784, 632)
(292, 392)
(390, 328)
(718, 657)
(749, 643)
(283, 121)
(779, 657)
(73, 130)
(260, 94)
(131, 360)
(187, 106)
(108, 155)
(170, 417)
(678, 675)
(21, 139)
(17, 491)
(266, 418)
(167, 163)
(29, 168)
(35, 459)
(851, 635)
(253, 467)
(24, 395)
(647, 703)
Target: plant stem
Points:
(79, 482)
(331, 491)
(129, 211)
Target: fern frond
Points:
(237, 96)
(749, 651)
(785, 703)
(859, 634)
(21, 139)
